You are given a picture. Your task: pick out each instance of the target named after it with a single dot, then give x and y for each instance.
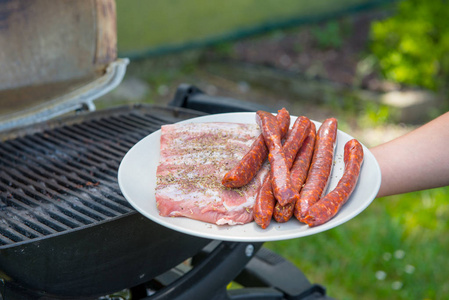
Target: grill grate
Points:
(65, 177)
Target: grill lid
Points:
(57, 57)
(81, 95)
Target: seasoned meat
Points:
(193, 160)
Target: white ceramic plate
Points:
(137, 180)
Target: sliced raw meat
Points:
(193, 160)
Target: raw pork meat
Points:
(193, 159)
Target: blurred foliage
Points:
(377, 114)
(412, 45)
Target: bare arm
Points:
(415, 161)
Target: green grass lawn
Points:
(396, 249)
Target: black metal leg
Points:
(268, 269)
(208, 279)
(189, 96)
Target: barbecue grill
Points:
(66, 231)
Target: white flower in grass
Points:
(381, 275)
(399, 254)
(396, 285)
(386, 256)
(409, 269)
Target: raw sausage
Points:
(264, 204)
(283, 213)
(251, 163)
(329, 205)
(302, 161)
(280, 172)
(298, 174)
(320, 168)
(295, 139)
(265, 201)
